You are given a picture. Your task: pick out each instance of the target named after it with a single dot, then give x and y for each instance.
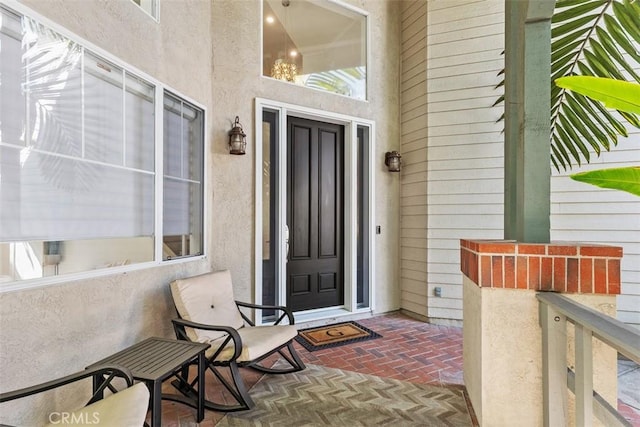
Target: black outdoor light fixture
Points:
(237, 138)
(392, 160)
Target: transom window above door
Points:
(319, 44)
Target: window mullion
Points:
(82, 104)
(27, 106)
(182, 175)
(159, 169)
(124, 117)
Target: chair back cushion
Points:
(207, 298)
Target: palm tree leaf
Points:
(583, 113)
(342, 81)
(558, 43)
(575, 120)
(579, 8)
(604, 124)
(564, 62)
(589, 38)
(556, 74)
(584, 69)
(631, 118)
(556, 155)
(602, 66)
(565, 141)
(634, 10)
(624, 179)
(557, 147)
(553, 159)
(605, 59)
(615, 123)
(572, 25)
(626, 18)
(612, 50)
(566, 126)
(620, 36)
(563, 52)
(615, 94)
(567, 3)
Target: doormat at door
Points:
(335, 335)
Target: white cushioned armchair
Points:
(209, 313)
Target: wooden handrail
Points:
(555, 311)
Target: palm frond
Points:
(53, 74)
(598, 51)
(591, 38)
(348, 81)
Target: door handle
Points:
(286, 240)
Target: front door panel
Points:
(315, 214)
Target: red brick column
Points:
(557, 266)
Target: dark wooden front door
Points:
(315, 214)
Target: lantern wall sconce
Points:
(393, 161)
(237, 138)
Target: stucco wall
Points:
(237, 82)
(54, 330)
(196, 49)
(503, 354)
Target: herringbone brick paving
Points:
(409, 350)
(322, 396)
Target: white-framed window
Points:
(183, 178)
(149, 6)
(80, 133)
(320, 44)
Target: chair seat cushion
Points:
(256, 341)
(125, 408)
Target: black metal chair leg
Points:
(293, 359)
(237, 389)
(299, 364)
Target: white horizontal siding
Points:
(453, 152)
(465, 145)
(585, 213)
(413, 187)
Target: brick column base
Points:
(560, 267)
(502, 342)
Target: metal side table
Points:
(153, 361)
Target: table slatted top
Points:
(155, 358)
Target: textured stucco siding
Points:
(197, 50)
